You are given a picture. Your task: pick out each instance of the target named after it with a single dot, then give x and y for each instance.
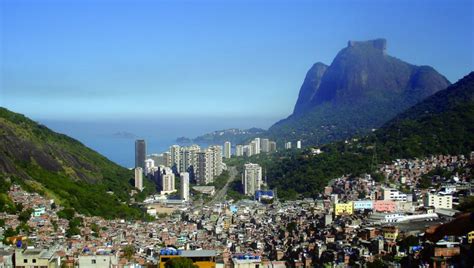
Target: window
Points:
(93, 261)
(34, 260)
(25, 260)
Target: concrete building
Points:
(384, 206)
(175, 153)
(168, 183)
(253, 148)
(239, 150)
(200, 258)
(247, 150)
(257, 145)
(252, 178)
(393, 194)
(97, 261)
(204, 168)
(216, 151)
(265, 145)
(343, 209)
(184, 186)
(438, 201)
(167, 159)
(227, 149)
(149, 166)
(288, 145)
(139, 178)
(140, 153)
(363, 204)
(298, 145)
(188, 158)
(33, 258)
(273, 146)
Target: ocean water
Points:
(116, 138)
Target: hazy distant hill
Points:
(441, 124)
(362, 89)
(234, 135)
(62, 168)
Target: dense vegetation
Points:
(442, 124)
(62, 168)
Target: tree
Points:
(180, 262)
(128, 251)
(67, 213)
(25, 215)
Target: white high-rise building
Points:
(167, 181)
(288, 145)
(184, 186)
(298, 145)
(252, 178)
(139, 178)
(247, 150)
(253, 148)
(167, 159)
(239, 150)
(265, 143)
(227, 149)
(204, 170)
(188, 157)
(257, 145)
(217, 161)
(175, 151)
(149, 166)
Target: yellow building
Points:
(343, 209)
(201, 258)
(470, 237)
(390, 232)
(36, 258)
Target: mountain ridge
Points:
(360, 90)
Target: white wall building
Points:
(184, 186)
(239, 150)
(298, 145)
(252, 178)
(227, 149)
(288, 145)
(438, 201)
(265, 145)
(139, 178)
(175, 152)
(393, 194)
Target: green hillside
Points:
(62, 168)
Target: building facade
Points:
(139, 178)
(184, 186)
(252, 178)
(140, 153)
(227, 149)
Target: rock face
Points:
(310, 87)
(362, 88)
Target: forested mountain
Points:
(62, 168)
(363, 88)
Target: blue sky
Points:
(92, 60)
